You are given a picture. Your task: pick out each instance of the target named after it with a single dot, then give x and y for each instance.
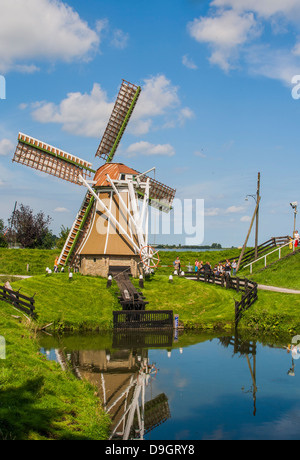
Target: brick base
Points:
(99, 265)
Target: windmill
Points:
(111, 228)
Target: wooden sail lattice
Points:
(46, 158)
(161, 195)
(124, 105)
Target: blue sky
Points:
(216, 108)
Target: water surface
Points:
(188, 387)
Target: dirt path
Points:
(18, 276)
(278, 289)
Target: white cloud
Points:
(276, 64)
(229, 210)
(187, 62)
(61, 210)
(264, 8)
(212, 212)
(120, 39)
(82, 114)
(245, 219)
(234, 31)
(42, 29)
(185, 114)
(6, 147)
(88, 114)
(224, 32)
(146, 148)
(159, 100)
(158, 95)
(234, 209)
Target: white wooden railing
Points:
(265, 256)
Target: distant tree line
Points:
(181, 246)
(28, 230)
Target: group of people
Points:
(221, 269)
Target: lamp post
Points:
(294, 205)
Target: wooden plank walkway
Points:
(133, 314)
(129, 298)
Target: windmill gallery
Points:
(110, 231)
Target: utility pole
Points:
(256, 222)
(257, 199)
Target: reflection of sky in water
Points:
(210, 393)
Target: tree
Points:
(29, 230)
(216, 246)
(62, 237)
(3, 242)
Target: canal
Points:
(157, 386)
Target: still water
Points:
(189, 387)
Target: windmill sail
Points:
(46, 158)
(122, 111)
(161, 196)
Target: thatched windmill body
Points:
(111, 227)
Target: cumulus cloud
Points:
(146, 148)
(87, 114)
(42, 29)
(234, 31)
(82, 114)
(224, 32)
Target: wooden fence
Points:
(20, 301)
(247, 300)
(141, 319)
(261, 249)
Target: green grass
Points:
(214, 257)
(86, 304)
(273, 312)
(38, 400)
(198, 305)
(284, 273)
(14, 261)
(82, 303)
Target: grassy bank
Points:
(38, 400)
(85, 303)
(284, 273)
(15, 261)
(82, 303)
